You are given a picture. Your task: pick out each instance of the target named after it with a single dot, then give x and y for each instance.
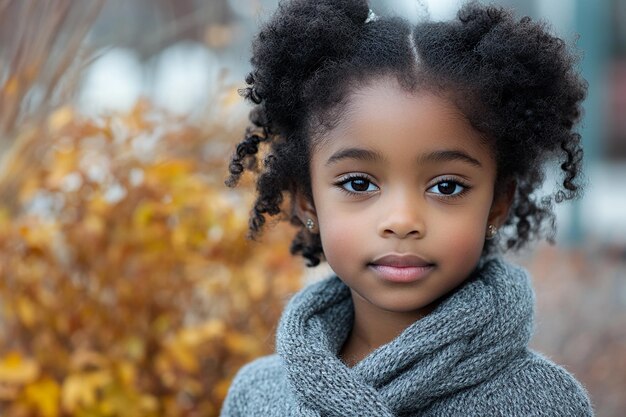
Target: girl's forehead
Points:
(385, 97)
(384, 114)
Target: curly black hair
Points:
(515, 81)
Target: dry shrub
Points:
(127, 287)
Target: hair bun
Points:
(300, 38)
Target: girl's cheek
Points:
(465, 240)
(338, 234)
(341, 235)
(467, 248)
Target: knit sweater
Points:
(469, 357)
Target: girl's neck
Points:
(374, 327)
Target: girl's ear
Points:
(501, 205)
(305, 211)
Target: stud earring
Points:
(492, 231)
(310, 224)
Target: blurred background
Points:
(127, 287)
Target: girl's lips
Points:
(402, 274)
(401, 268)
(398, 260)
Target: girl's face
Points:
(403, 192)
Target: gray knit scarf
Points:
(467, 339)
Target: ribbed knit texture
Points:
(468, 357)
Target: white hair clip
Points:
(371, 16)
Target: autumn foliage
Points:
(127, 286)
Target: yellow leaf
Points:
(80, 389)
(127, 372)
(60, 118)
(143, 214)
(14, 369)
(83, 358)
(26, 311)
(190, 337)
(5, 218)
(183, 356)
(75, 393)
(242, 343)
(257, 287)
(135, 347)
(94, 225)
(44, 395)
(162, 324)
(213, 329)
(149, 403)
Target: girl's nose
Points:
(402, 217)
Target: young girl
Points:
(408, 156)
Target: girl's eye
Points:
(448, 188)
(357, 185)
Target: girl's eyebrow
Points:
(355, 153)
(449, 155)
(373, 156)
